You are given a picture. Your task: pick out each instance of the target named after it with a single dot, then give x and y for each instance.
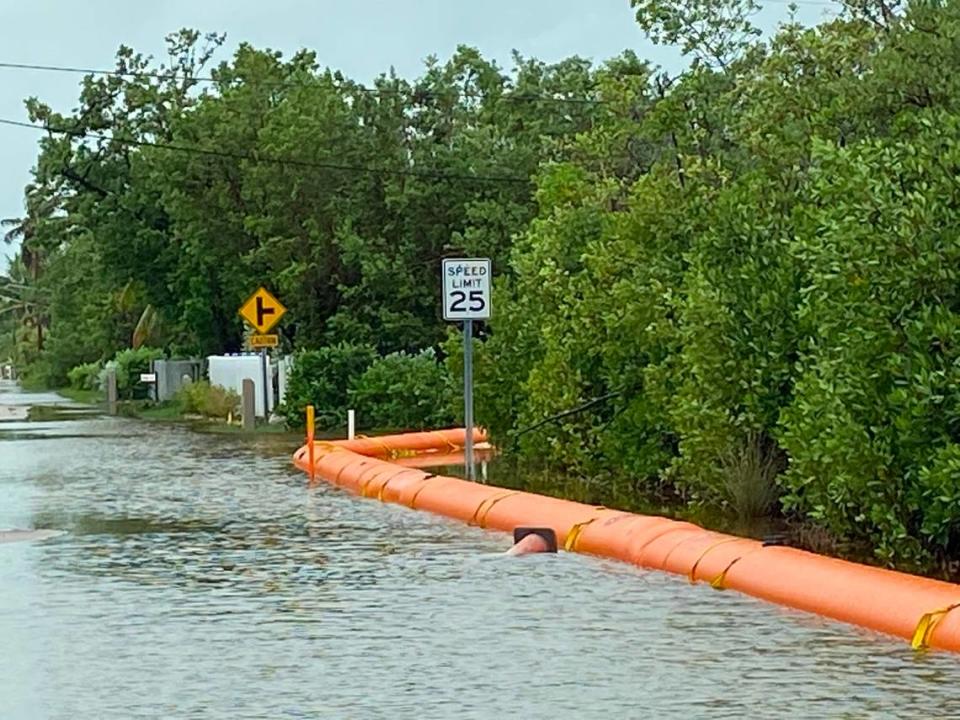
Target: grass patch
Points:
(222, 428)
(86, 397)
(162, 412)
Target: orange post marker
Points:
(310, 451)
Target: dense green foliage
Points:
(202, 398)
(322, 378)
(85, 376)
(735, 287)
(129, 364)
(772, 299)
(404, 392)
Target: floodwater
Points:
(196, 576)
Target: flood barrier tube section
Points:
(922, 610)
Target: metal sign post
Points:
(468, 396)
(262, 311)
(265, 362)
(466, 297)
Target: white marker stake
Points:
(351, 424)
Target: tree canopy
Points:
(742, 276)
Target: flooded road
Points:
(197, 577)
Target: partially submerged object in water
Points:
(10, 536)
(527, 540)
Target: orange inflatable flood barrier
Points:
(922, 610)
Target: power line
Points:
(414, 92)
(271, 160)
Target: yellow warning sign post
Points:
(262, 311)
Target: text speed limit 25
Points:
(466, 289)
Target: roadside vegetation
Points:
(734, 289)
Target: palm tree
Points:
(20, 298)
(19, 294)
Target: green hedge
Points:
(404, 392)
(322, 378)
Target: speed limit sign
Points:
(466, 297)
(466, 289)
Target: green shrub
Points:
(85, 376)
(202, 398)
(321, 378)
(404, 392)
(129, 364)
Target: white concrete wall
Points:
(284, 366)
(229, 371)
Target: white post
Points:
(351, 424)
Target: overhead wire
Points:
(270, 159)
(412, 91)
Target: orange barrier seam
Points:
(927, 624)
(666, 558)
(480, 519)
(693, 569)
(666, 531)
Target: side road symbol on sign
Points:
(262, 310)
(466, 289)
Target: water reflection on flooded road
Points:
(197, 576)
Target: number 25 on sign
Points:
(466, 289)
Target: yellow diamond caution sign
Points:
(262, 341)
(262, 310)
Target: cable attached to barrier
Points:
(927, 624)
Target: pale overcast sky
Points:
(360, 37)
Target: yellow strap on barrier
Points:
(445, 441)
(480, 518)
(717, 582)
(927, 624)
(362, 484)
(413, 500)
(383, 487)
(388, 452)
(360, 458)
(570, 542)
(693, 569)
